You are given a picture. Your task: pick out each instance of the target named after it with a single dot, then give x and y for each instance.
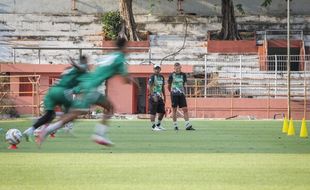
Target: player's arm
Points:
(150, 85)
(163, 91)
(184, 82)
(80, 67)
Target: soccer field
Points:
(218, 155)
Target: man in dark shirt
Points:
(157, 98)
(176, 83)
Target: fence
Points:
(234, 85)
(240, 76)
(12, 88)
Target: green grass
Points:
(218, 155)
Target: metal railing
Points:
(11, 92)
(241, 76)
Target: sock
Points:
(54, 126)
(100, 129)
(187, 123)
(153, 124)
(158, 122)
(29, 131)
(175, 123)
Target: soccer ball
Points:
(13, 136)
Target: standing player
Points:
(106, 68)
(60, 94)
(176, 88)
(157, 98)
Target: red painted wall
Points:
(259, 108)
(122, 94)
(228, 46)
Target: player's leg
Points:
(69, 125)
(152, 110)
(101, 129)
(161, 112)
(49, 105)
(174, 105)
(183, 106)
(46, 118)
(79, 107)
(59, 124)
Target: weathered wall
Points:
(161, 7)
(45, 23)
(81, 31)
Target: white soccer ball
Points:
(13, 136)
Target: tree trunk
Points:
(129, 24)
(229, 26)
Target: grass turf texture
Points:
(219, 155)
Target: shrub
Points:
(111, 24)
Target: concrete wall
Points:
(78, 31)
(254, 108)
(161, 7)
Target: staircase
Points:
(36, 30)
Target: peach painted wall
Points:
(120, 94)
(227, 107)
(232, 46)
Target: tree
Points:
(129, 24)
(229, 29)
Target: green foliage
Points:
(111, 24)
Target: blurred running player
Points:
(60, 94)
(109, 66)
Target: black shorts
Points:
(156, 107)
(178, 100)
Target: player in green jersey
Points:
(157, 98)
(60, 94)
(107, 67)
(176, 87)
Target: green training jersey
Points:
(177, 81)
(157, 83)
(106, 67)
(69, 78)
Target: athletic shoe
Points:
(156, 129)
(27, 134)
(52, 135)
(190, 128)
(101, 140)
(161, 127)
(27, 137)
(176, 128)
